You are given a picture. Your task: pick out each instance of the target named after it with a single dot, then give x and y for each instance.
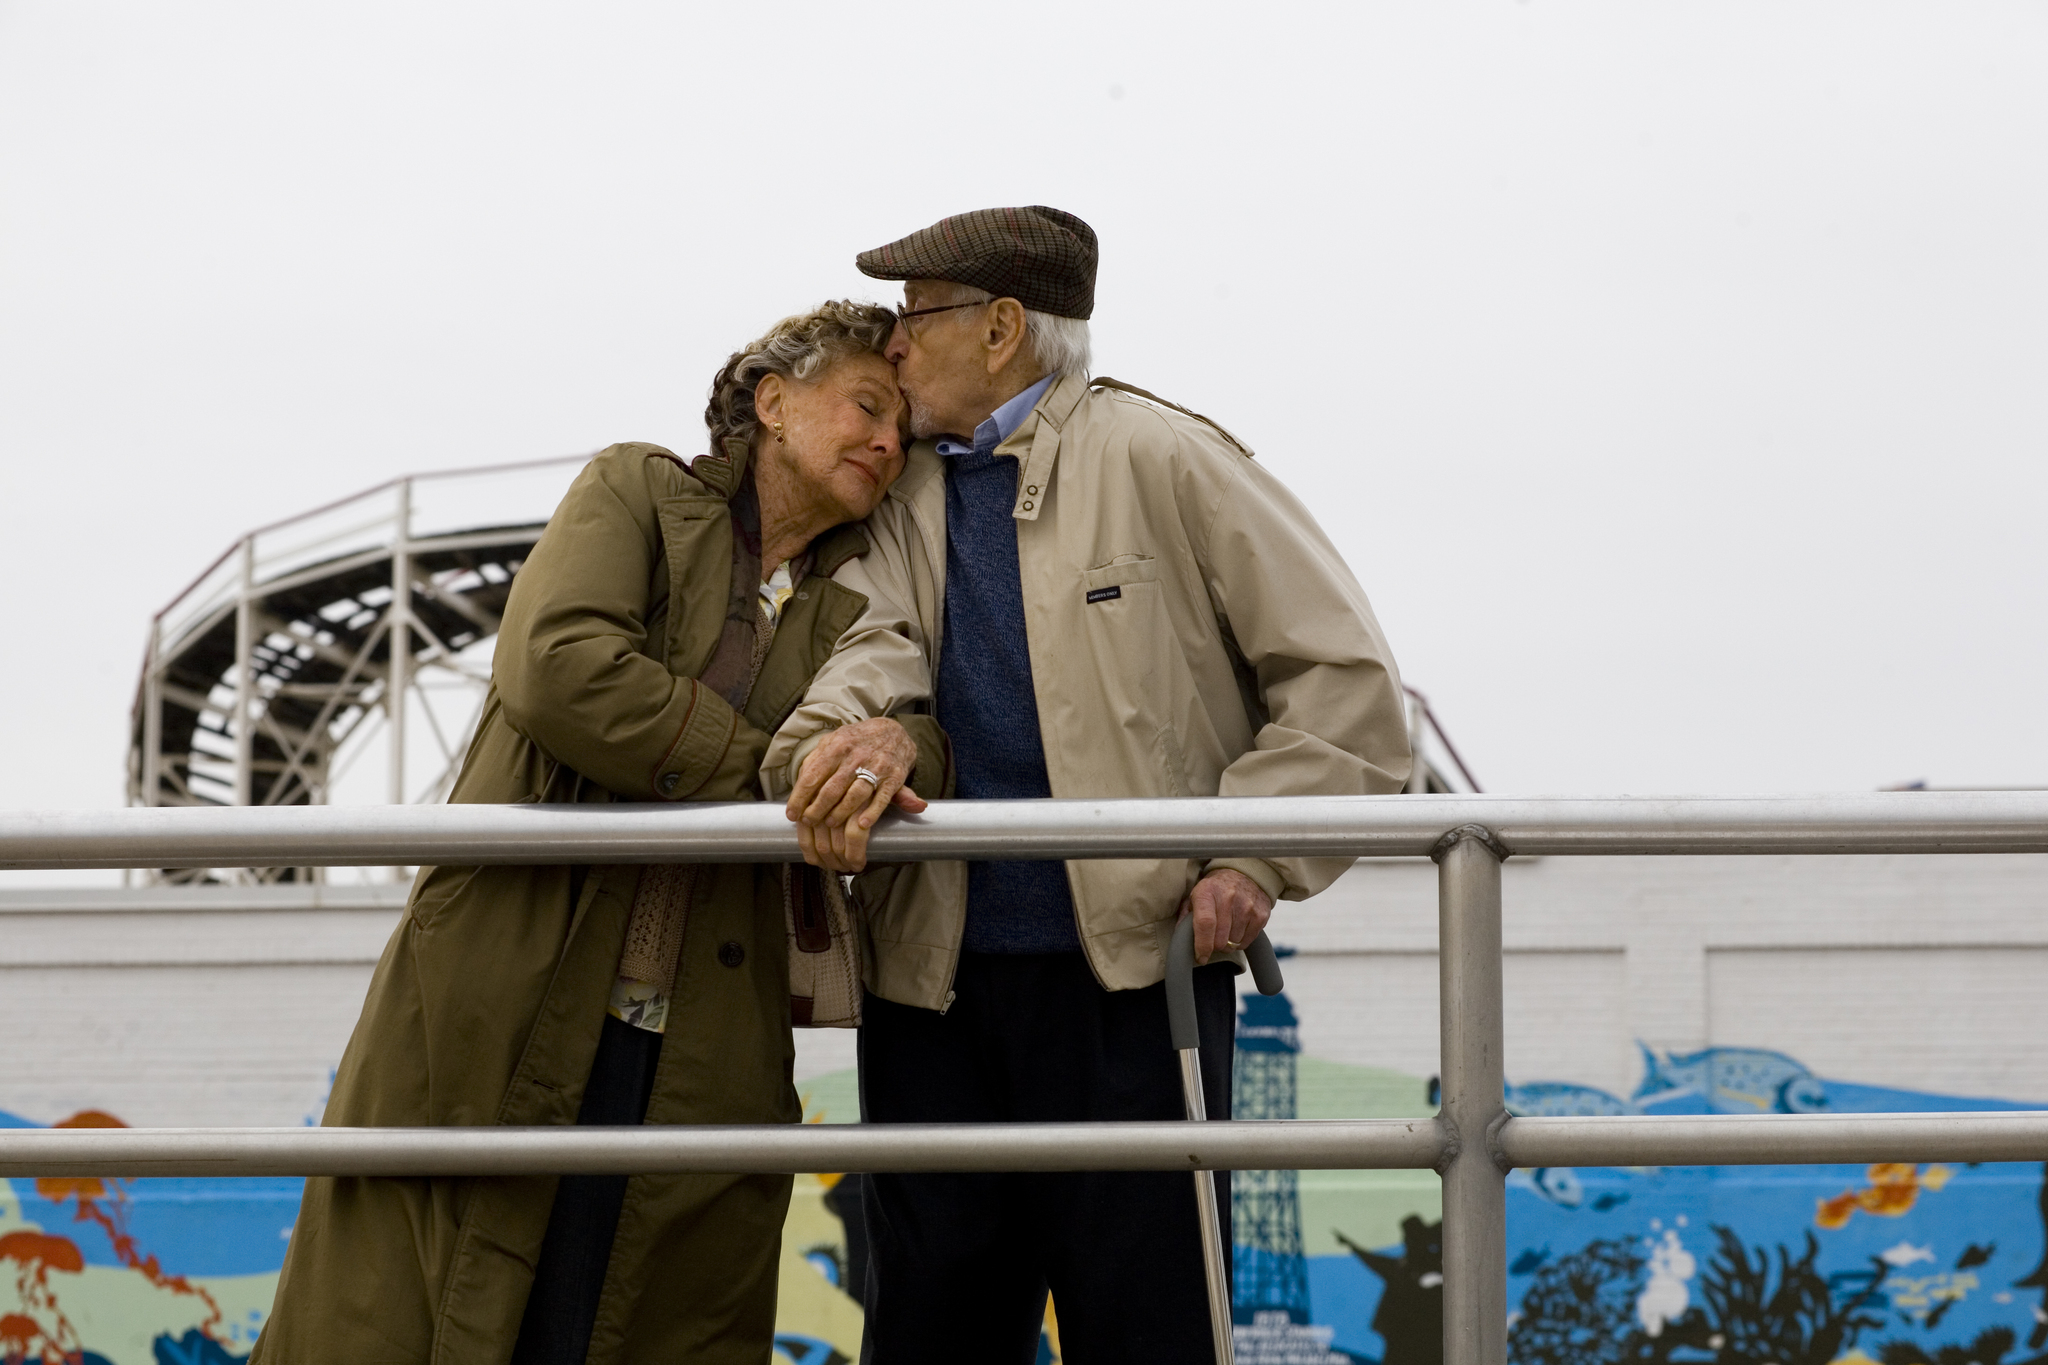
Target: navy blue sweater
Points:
(985, 698)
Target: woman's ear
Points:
(769, 396)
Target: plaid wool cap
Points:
(1041, 257)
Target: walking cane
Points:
(1180, 1016)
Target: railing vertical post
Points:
(153, 716)
(398, 676)
(1475, 1190)
(1418, 775)
(245, 677)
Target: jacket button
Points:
(669, 781)
(1032, 489)
(731, 953)
(1027, 504)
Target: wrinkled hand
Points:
(1229, 909)
(832, 811)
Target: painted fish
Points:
(1905, 1254)
(1974, 1255)
(1559, 1184)
(1561, 1099)
(1732, 1080)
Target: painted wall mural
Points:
(1889, 1264)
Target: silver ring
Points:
(867, 775)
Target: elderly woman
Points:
(668, 620)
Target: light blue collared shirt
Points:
(1001, 423)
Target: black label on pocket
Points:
(1104, 594)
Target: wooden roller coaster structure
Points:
(358, 628)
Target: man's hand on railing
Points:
(1229, 909)
(856, 772)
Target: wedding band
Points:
(865, 775)
(1232, 943)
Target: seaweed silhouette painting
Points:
(1602, 1306)
(1795, 1317)
(2038, 1278)
(1582, 1309)
(1989, 1347)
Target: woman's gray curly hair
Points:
(799, 348)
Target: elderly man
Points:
(1100, 594)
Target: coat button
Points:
(669, 781)
(1027, 504)
(1032, 489)
(731, 953)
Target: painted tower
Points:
(1271, 1274)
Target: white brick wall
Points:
(1920, 973)
(196, 1006)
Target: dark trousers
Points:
(959, 1265)
(568, 1280)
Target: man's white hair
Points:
(1059, 345)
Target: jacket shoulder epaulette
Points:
(1118, 386)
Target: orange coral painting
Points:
(38, 1331)
(1894, 1188)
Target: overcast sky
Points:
(1672, 375)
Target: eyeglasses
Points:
(904, 316)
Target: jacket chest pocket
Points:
(696, 535)
(1130, 639)
(1107, 583)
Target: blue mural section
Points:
(206, 1227)
(1888, 1264)
(1932, 1264)
(170, 1237)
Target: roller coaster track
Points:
(278, 668)
(269, 676)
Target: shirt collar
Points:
(1001, 423)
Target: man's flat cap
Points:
(1041, 257)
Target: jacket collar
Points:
(1036, 443)
(921, 464)
(723, 473)
(834, 547)
(1062, 398)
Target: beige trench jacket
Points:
(1193, 633)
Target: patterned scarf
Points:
(661, 904)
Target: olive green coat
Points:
(488, 1001)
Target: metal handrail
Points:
(1473, 1142)
(1261, 1144)
(1390, 1144)
(1276, 826)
